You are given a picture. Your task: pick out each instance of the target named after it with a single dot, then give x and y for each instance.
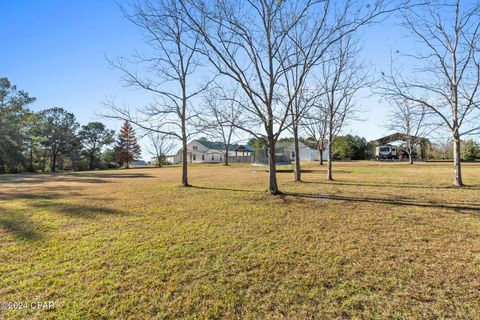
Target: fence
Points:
(243, 159)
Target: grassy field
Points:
(382, 241)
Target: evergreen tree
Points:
(470, 150)
(58, 130)
(127, 148)
(94, 136)
(350, 147)
(13, 116)
(34, 157)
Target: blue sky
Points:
(56, 49)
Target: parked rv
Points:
(386, 152)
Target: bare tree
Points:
(169, 66)
(445, 145)
(221, 118)
(314, 124)
(160, 146)
(447, 78)
(297, 99)
(244, 41)
(342, 76)
(410, 120)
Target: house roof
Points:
(216, 145)
(288, 144)
(283, 144)
(310, 144)
(399, 137)
(245, 148)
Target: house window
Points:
(195, 147)
(203, 157)
(221, 158)
(293, 154)
(194, 157)
(213, 157)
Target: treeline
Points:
(443, 150)
(52, 139)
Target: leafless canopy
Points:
(445, 77)
(160, 146)
(247, 43)
(341, 77)
(165, 72)
(411, 120)
(221, 116)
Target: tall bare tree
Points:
(446, 78)
(297, 98)
(169, 68)
(160, 146)
(314, 124)
(245, 41)
(341, 77)
(221, 118)
(410, 120)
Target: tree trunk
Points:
(329, 165)
(330, 145)
(159, 159)
(273, 186)
(457, 164)
(91, 162)
(184, 160)
(320, 152)
(410, 154)
(226, 155)
(31, 159)
(298, 169)
(53, 162)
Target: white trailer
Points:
(386, 152)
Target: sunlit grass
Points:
(382, 241)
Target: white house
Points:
(204, 151)
(171, 158)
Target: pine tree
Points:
(127, 148)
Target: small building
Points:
(242, 154)
(285, 153)
(307, 152)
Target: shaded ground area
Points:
(383, 241)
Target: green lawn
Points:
(382, 241)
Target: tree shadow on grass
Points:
(391, 185)
(70, 177)
(19, 222)
(470, 207)
(123, 175)
(72, 209)
(46, 193)
(286, 170)
(222, 189)
(19, 225)
(401, 201)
